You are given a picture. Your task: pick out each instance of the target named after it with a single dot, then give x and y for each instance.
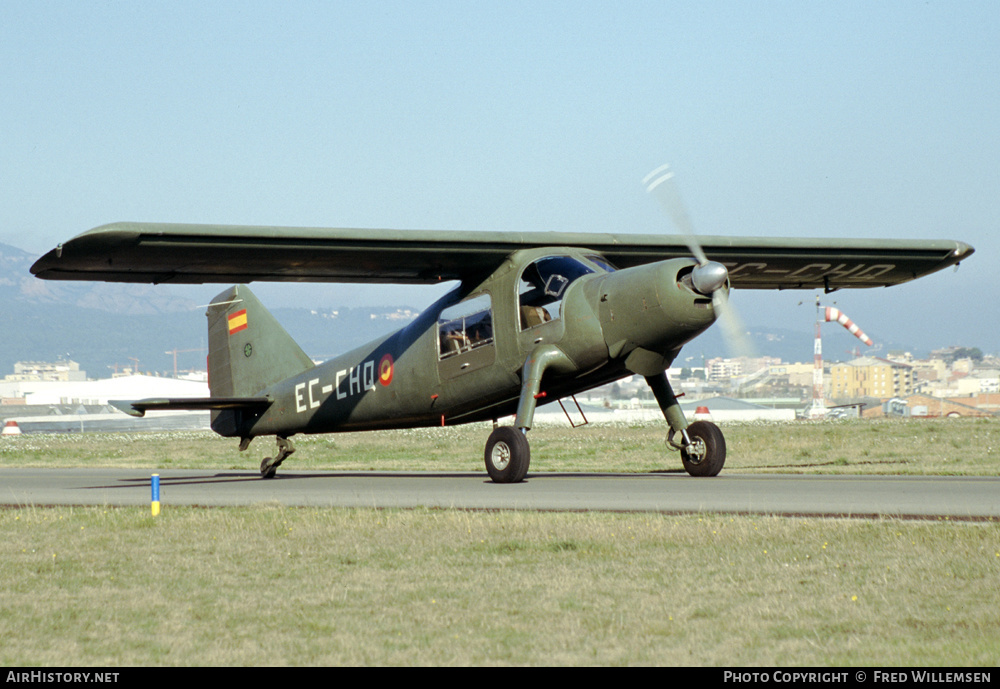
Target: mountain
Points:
(17, 284)
(787, 345)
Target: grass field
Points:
(966, 447)
(280, 586)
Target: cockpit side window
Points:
(465, 326)
(543, 285)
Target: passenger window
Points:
(543, 285)
(466, 326)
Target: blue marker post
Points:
(155, 485)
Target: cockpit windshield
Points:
(603, 263)
(543, 285)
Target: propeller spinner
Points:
(709, 277)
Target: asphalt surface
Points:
(859, 496)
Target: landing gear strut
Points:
(269, 466)
(507, 451)
(703, 447)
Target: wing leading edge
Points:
(194, 254)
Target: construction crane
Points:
(175, 352)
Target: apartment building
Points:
(871, 377)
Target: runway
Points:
(970, 498)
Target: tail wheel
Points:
(507, 455)
(706, 454)
(267, 468)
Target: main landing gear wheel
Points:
(706, 454)
(507, 455)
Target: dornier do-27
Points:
(534, 316)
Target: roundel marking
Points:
(385, 370)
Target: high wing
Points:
(173, 253)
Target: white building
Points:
(100, 391)
(44, 370)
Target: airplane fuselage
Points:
(463, 359)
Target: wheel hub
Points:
(500, 456)
(696, 451)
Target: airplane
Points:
(534, 316)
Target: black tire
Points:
(507, 455)
(709, 453)
(266, 469)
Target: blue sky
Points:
(780, 118)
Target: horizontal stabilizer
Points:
(140, 407)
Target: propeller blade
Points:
(709, 277)
(661, 185)
(735, 332)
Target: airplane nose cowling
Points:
(656, 307)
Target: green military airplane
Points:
(533, 316)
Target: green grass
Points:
(967, 447)
(287, 586)
(101, 587)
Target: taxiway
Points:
(857, 496)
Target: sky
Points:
(844, 119)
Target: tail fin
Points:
(248, 350)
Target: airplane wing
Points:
(172, 253)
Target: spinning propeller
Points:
(709, 277)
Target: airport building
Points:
(65, 406)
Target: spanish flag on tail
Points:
(237, 321)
